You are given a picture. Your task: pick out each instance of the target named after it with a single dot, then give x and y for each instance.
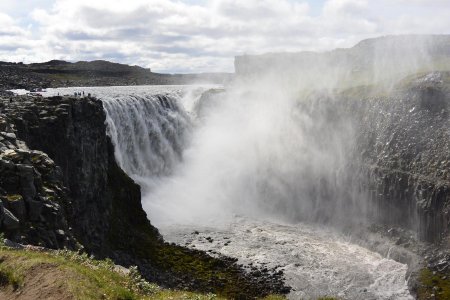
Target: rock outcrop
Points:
(397, 147)
(404, 144)
(73, 132)
(34, 206)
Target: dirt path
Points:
(43, 281)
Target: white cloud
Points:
(345, 8)
(171, 35)
(8, 27)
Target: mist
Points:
(277, 144)
(280, 142)
(252, 154)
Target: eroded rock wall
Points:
(72, 132)
(403, 143)
(396, 147)
(34, 205)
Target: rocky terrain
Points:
(34, 202)
(58, 73)
(69, 192)
(407, 152)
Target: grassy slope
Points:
(79, 277)
(74, 276)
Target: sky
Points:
(187, 36)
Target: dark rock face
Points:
(397, 154)
(33, 199)
(404, 145)
(72, 132)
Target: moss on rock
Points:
(433, 285)
(14, 197)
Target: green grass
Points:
(9, 276)
(83, 277)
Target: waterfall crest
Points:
(148, 133)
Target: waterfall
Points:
(261, 153)
(148, 133)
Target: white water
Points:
(316, 261)
(248, 156)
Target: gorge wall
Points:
(404, 146)
(34, 206)
(397, 170)
(72, 132)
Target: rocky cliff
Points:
(34, 205)
(408, 154)
(72, 132)
(403, 144)
(403, 158)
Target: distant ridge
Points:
(59, 73)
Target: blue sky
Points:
(202, 35)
